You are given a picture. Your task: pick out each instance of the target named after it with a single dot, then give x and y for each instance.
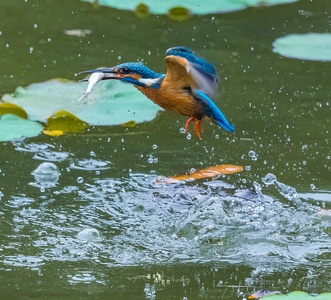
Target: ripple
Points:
(91, 165)
(83, 277)
(49, 155)
(31, 147)
(20, 201)
(23, 261)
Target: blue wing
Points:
(212, 111)
(203, 72)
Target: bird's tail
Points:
(213, 112)
(220, 120)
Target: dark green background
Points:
(206, 239)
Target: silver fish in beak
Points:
(92, 81)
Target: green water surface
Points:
(105, 230)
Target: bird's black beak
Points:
(109, 73)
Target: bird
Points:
(187, 87)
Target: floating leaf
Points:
(204, 173)
(298, 295)
(9, 108)
(142, 11)
(179, 13)
(310, 46)
(63, 121)
(12, 126)
(193, 6)
(129, 124)
(111, 103)
(53, 132)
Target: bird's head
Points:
(131, 72)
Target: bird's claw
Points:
(196, 128)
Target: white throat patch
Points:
(148, 81)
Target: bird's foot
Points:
(196, 128)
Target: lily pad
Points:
(298, 295)
(12, 126)
(111, 103)
(194, 6)
(310, 46)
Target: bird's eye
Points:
(125, 70)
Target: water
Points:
(82, 214)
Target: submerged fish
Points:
(92, 81)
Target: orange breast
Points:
(176, 100)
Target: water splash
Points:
(90, 235)
(46, 175)
(286, 191)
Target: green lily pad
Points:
(298, 295)
(12, 127)
(310, 46)
(110, 103)
(194, 6)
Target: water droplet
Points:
(35, 25)
(154, 146)
(269, 179)
(312, 186)
(182, 130)
(189, 136)
(252, 155)
(80, 179)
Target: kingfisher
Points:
(187, 87)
